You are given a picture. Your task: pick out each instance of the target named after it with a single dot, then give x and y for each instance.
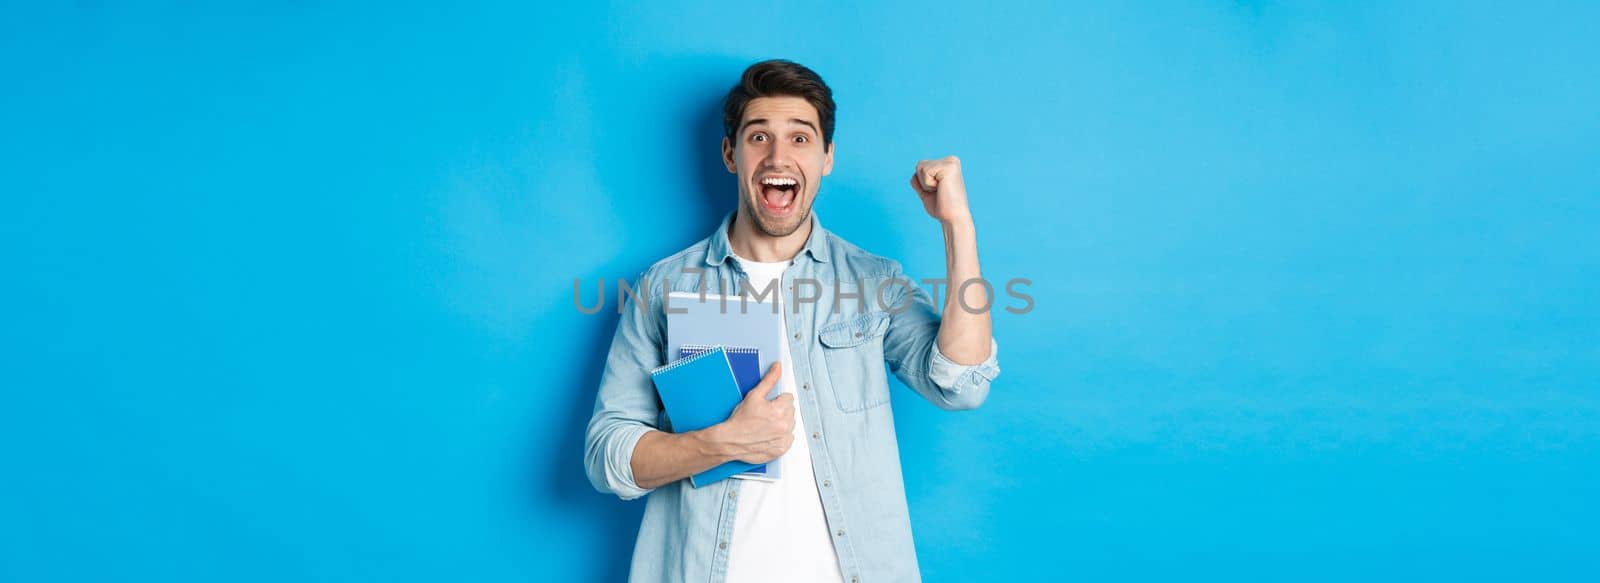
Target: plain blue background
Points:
(288, 288)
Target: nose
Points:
(780, 157)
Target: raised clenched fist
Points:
(944, 194)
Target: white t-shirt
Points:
(780, 533)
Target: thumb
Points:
(769, 383)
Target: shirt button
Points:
(796, 336)
(854, 580)
(725, 545)
(733, 494)
(839, 532)
(806, 386)
(827, 484)
(816, 436)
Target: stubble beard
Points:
(774, 230)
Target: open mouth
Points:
(779, 193)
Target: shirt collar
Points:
(721, 248)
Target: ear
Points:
(727, 156)
(827, 159)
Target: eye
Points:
(758, 137)
(801, 139)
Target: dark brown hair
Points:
(773, 78)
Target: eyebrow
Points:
(762, 120)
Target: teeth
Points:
(778, 181)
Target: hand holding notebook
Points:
(746, 364)
(702, 390)
(761, 428)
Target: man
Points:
(838, 513)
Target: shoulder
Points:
(673, 267)
(852, 262)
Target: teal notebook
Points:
(698, 392)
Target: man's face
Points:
(779, 157)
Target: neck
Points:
(750, 243)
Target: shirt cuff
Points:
(958, 377)
(619, 462)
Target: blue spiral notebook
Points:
(698, 392)
(746, 364)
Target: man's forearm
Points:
(661, 458)
(964, 335)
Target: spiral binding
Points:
(727, 349)
(683, 361)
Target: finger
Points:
(950, 167)
(768, 382)
(921, 185)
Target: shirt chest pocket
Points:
(852, 347)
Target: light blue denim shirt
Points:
(866, 313)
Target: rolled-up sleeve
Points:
(612, 472)
(911, 347)
(957, 378)
(626, 406)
